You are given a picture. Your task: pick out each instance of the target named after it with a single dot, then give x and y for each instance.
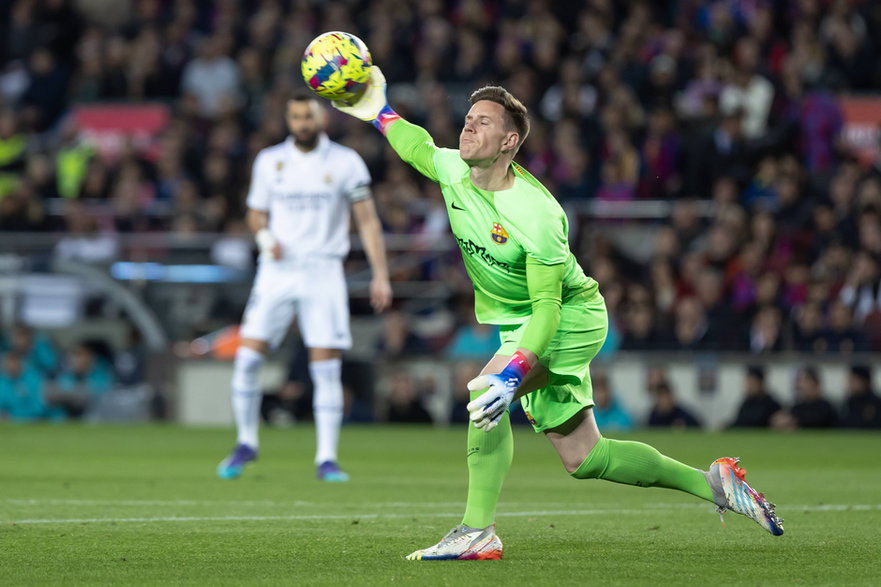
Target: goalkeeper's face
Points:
(305, 122)
(486, 135)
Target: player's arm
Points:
(545, 285)
(412, 143)
(370, 229)
(257, 217)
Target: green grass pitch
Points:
(102, 505)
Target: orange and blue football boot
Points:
(463, 543)
(732, 492)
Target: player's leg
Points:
(246, 397)
(325, 368)
(586, 454)
(266, 319)
(324, 324)
(563, 410)
(246, 393)
(489, 456)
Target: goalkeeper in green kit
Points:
(513, 236)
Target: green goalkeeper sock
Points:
(489, 459)
(635, 463)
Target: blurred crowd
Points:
(727, 109)
(408, 394)
(39, 380)
(42, 380)
(805, 406)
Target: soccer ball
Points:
(336, 66)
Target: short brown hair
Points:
(300, 95)
(517, 117)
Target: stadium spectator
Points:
(667, 412)
(212, 78)
(744, 277)
(609, 414)
(862, 406)
(84, 240)
(811, 409)
(765, 334)
(758, 406)
(130, 361)
(748, 91)
(45, 99)
(662, 277)
(709, 291)
(844, 336)
(473, 340)
(862, 288)
(640, 332)
(398, 338)
(79, 173)
(722, 150)
(13, 159)
(36, 348)
(40, 176)
(817, 116)
(21, 389)
(404, 403)
(692, 330)
(661, 151)
(809, 334)
(17, 210)
(84, 377)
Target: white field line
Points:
(193, 502)
(373, 516)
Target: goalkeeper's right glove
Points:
(372, 106)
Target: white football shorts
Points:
(313, 291)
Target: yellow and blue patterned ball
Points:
(336, 66)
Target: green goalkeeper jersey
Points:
(499, 233)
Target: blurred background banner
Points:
(110, 127)
(862, 126)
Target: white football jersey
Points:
(308, 195)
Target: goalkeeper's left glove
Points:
(487, 409)
(372, 106)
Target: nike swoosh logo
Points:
(455, 207)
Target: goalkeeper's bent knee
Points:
(596, 463)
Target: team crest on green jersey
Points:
(499, 234)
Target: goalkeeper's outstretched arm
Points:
(412, 143)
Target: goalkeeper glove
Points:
(372, 106)
(487, 409)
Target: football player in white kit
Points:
(298, 208)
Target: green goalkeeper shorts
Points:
(583, 326)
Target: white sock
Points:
(327, 404)
(246, 395)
